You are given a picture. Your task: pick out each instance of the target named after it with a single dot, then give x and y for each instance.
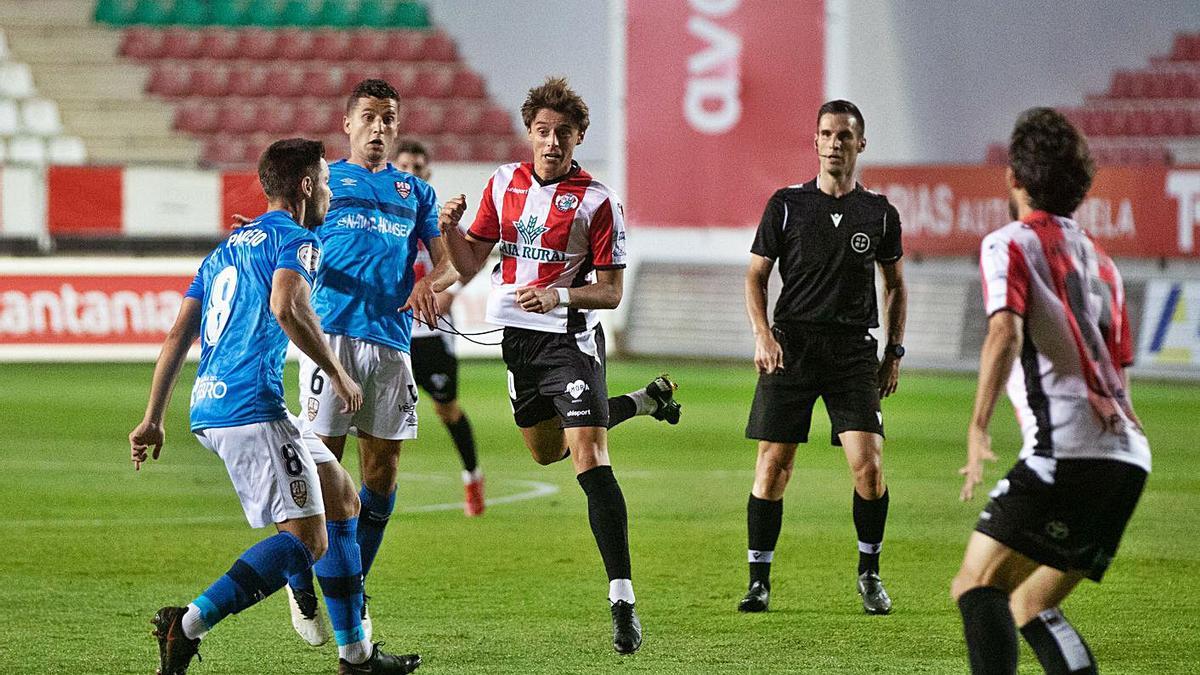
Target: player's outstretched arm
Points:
(895, 312)
(605, 293)
(467, 254)
(290, 305)
(149, 433)
(768, 355)
(1000, 349)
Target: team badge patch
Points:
(566, 202)
(860, 242)
(300, 492)
(403, 188)
(576, 389)
(313, 406)
(309, 257)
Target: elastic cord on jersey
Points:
(465, 336)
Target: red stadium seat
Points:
(451, 149)
(239, 117)
(257, 44)
(277, 117)
(468, 84)
(435, 82)
(210, 79)
(369, 46)
(218, 43)
(322, 81)
(293, 44)
(404, 79)
(439, 47)
(248, 80)
(406, 45)
(224, 151)
(284, 80)
(141, 43)
(317, 119)
(337, 146)
(424, 119)
(170, 79)
(180, 43)
(331, 45)
(496, 121)
(462, 117)
(197, 117)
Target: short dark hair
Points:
(412, 147)
(842, 107)
(556, 95)
(285, 163)
(1050, 159)
(371, 88)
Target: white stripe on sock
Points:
(1069, 642)
(864, 547)
(645, 404)
(620, 589)
(759, 556)
(355, 652)
(193, 625)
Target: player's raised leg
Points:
(764, 519)
(656, 399)
(864, 453)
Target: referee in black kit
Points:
(827, 234)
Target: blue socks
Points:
(376, 510)
(340, 575)
(259, 572)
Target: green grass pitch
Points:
(92, 549)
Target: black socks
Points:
(608, 518)
(870, 517)
(464, 440)
(988, 627)
(1059, 648)
(620, 408)
(764, 518)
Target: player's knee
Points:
(448, 413)
(547, 457)
(315, 540)
(868, 481)
(964, 581)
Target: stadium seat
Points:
(190, 13)
(277, 118)
(142, 43)
(355, 73)
(318, 119)
(293, 45)
(150, 13)
(434, 82)
(410, 15)
(26, 150)
(258, 44)
(373, 14)
(66, 150)
(369, 45)
(181, 43)
(226, 12)
(39, 117)
(248, 81)
(322, 81)
(336, 13)
(239, 117)
(197, 117)
(10, 117)
(111, 12)
(331, 45)
(170, 80)
(218, 43)
(440, 47)
(210, 80)
(489, 149)
(462, 118)
(496, 121)
(452, 148)
(262, 14)
(298, 13)
(406, 45)
(16, 80)
(224, 151)
(468, 84)
(284, 80)
(424, 119)
(404, 78)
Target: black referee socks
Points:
(988, 627)
(870, 517)
(609, 520)
(1059, 648)
(764, 518)
(464, 441)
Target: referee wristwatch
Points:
(894, 350)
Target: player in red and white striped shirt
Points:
(562, 252)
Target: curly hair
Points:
(372, 88)
(1050, 159)
(556, 95)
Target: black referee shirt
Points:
(826, 248)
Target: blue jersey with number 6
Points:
(240, 380)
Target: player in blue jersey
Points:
(366, 296)
(249, 297)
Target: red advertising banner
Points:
(88, 309)
(1148, 212)
(721, 105)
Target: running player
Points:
(435, 365)
(248, 298)
(363, 294)
(1056, 302)
(562, 248)
(829, 236)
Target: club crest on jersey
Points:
(576, 389)
(566, 202)
(403, 188)
(313, 406)
(300, 492)
(860, 242)
(309, 257)
(529, 229)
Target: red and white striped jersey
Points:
(551, 235)
(1068, 387)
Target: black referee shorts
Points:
(435, 367)
(556, 374)
(840, 368)
(1069, 515)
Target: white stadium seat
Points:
(10, 118)
(26, 150)
(66, 150)
(16, 80)
(40, 116)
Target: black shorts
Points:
(842, 369)
(1074, 522)
(556, 374)
(435, 367)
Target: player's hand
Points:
(347, 390)
(768, 355)
(423, 302)
(144, 436)
(979, 450)
(888, 376)
(240, 221)
(537, 300)
(451, 213)
(444, 300)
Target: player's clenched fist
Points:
(451, 213)
(537, 300)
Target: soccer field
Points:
(92, 548)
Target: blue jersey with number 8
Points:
(242, 346)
